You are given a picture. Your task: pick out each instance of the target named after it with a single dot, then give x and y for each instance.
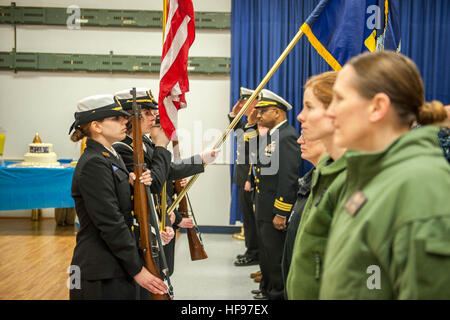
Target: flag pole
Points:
(241, 113)
(164, 190)
(164, 20)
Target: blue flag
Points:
(342, 29)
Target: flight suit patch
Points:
(356, 201)
(106, 154)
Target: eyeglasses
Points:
(264, 110)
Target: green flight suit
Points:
(312, 234)
(391, 240)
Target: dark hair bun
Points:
(77, 135)
(81, 132)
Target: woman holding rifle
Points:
(106, 257)
(157, 157)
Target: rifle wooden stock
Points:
(140, 198)
(195, 246)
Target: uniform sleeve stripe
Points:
(287, 209)
(282, 206)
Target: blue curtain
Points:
(425, 27)
(261, 30)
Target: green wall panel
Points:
(36, 61)
(103, 17)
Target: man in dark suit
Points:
(276, 175)
(244, 131)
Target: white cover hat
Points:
(268, 99)
(245, 93)
(96, 107)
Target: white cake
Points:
(41, 155)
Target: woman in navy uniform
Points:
(106, 252)
(156, 157)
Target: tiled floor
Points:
(215, 278)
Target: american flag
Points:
(174, 82)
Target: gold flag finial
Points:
(37, 139)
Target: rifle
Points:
(140, 196)
(193, 234)
(154, 223)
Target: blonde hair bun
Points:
(431, 113)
